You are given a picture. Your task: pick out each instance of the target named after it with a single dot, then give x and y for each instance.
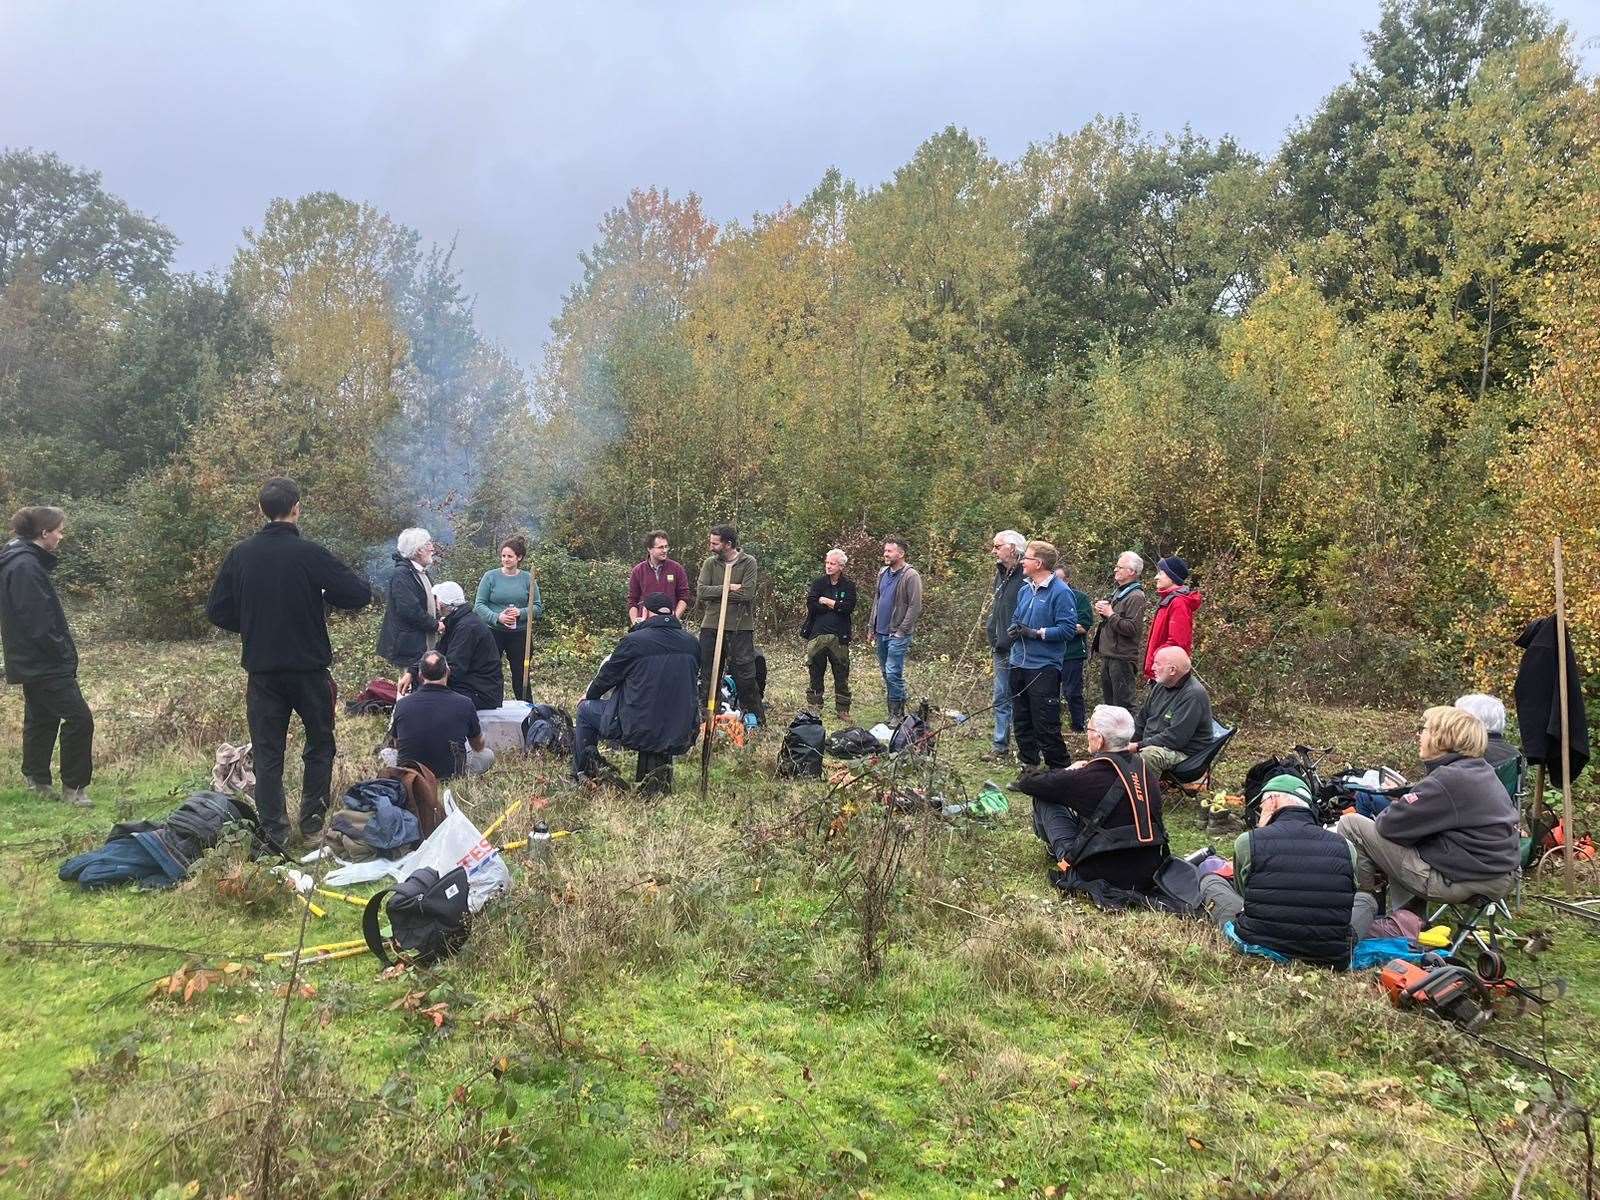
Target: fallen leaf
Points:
(1194, 1142)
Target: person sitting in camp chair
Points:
(1175, 721)
(1296, 894)
(1498, 752)
(437, 726)
(1101, 818)
(645, 695)
(1454, 836)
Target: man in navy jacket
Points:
(1045, 617)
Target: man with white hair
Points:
(1293, 893)
(410, 615)
(1119, 631)
(1500, 754)
(1007, 548)
(1175, 721)
(473, 653)
(1101, 818)
(830, 603)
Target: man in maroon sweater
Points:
(657, 573)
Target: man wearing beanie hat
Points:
(1296, 881)
(473, 653)
(1176, 604)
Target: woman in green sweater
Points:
(503, 602)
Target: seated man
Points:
(1175, 721)
(473, 653)
(437, 726)
(1454, 835)
(1101, 818)
(1500, 754)
(646, 694)
(1296, 884)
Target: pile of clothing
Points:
(375, 822)
(159, 854)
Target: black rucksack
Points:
(547, 727)
(854, 742)
(800, 755)
(1256, 778)
(428, 917)
(913, 733)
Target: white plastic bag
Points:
(455, 843)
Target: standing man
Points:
(1075, 655)
(42, 657)
(830, 604)
(896, 605)
(739, 637)
(657, 573)
(1045, 617)
(1116, 637)
(1007, 549)
(273, 590)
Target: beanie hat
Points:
(1289, 785)
(449, 593)
(1174, 568)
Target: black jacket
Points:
(1538, 700)
(820, 619)
(655, 671)
(1007, 586)
(474, 659)
(1131, 842)
(403, 637)
(273, 590)
(33, 626)
(1298, 890)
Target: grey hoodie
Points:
(1458, 818)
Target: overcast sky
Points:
(512, 127)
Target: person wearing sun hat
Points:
(1176, 604)
(1293, 893)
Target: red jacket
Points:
(1173, 626)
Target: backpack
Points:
(379, 696)
(800, 755)
(428, 917)
(422, 792)
(1256, 778)
(854, 742)
(547, 728)
(914, 733)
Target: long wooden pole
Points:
(527, 636)
(1566, 743)
(716, 681)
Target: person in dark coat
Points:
(830, 605)
(411, 621)
(42, 657)
(1499, 753)
(1007, 548)
(646, 694)
(1129, 843)
(1293, 891)
(473, 653)
(273, 589)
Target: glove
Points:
(1015, 631)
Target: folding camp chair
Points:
(1197, 767)
(1481, 921)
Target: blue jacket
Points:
(1052, 609)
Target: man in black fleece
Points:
(830, 605)
(273, 590)
(473, 653)
(1454, 835)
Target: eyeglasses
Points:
(1030, 558)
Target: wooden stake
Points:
(716, 684)
(1566, 743)
(527, 640)
(1538, 792)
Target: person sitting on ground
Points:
(1175, 722)
(470, 647)
(437, 726)
(1454, 835)
(410, 617)
(1101, 818)
(1296, 885)
(1500, 754)
(645, 695)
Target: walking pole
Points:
(1561, 686)
(527, 641)
(716, 678)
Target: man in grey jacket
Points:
(1007, 548)
(1175, 721)
(1119, 631)
(896, 605)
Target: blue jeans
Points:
(1002, 699)
(595, 723)
(892, 661)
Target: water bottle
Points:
(539, 843)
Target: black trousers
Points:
(269, 700)
(1117, 678)
(1036, 715)
(739, 660)
(57, 705)
(1072, 692)
(513, 644)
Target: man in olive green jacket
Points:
(739, 637)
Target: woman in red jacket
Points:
(1176, 604)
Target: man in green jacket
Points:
(739, 636)
(1075, 655)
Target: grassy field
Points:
(678, 1002)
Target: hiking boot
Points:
(1000, 754)
(42, 788)
(1029, 770)
(311, 826)
(843, 713)
(814, 700)
(897, 711)
(1223, 822)
(77, 797)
